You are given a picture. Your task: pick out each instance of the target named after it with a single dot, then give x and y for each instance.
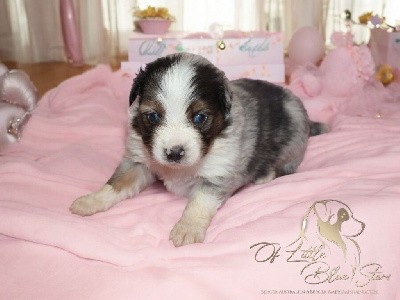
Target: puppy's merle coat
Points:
(204, 137)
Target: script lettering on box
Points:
(253, 46)
(152, 48)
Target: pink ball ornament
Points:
(18, 98)
(71, 33)
(306, 46)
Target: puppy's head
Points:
(183, 106)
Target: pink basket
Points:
(154, 26)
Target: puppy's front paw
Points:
(87, 205)
(185, 233)
(96, 202)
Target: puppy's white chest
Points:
(180, 187)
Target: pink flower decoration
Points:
(340, 39)
(364, 61)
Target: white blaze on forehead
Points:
(176, 86)
(176, 129)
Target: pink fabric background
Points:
(74, 141)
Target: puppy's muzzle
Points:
(175, 153)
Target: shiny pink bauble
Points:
(306, 46)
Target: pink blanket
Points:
(75, 139)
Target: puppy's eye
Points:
(199, 119)
(153, 117)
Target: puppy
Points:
(204, 137)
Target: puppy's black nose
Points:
(175, 154)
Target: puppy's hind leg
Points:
(267, 178)
(128, 180)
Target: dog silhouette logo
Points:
(332, 223)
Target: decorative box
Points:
(385, 47)
(257, 55)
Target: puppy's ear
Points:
(224, 92)
(226, 98)
(137, 86)
(207, 75)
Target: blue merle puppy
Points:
(204, 137)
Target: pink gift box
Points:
(248, 54)
(269, 72)
(385, 47)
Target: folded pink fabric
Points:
(72, 144)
